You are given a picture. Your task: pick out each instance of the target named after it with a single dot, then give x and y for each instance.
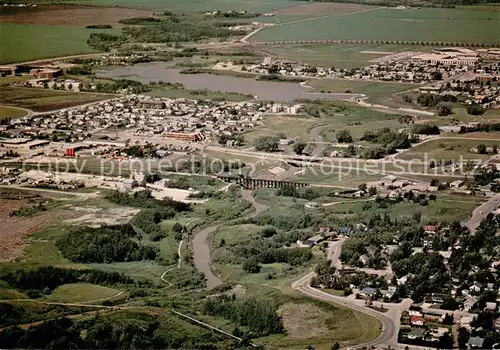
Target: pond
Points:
(276, 91)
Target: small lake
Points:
(277, 91)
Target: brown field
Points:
(74, 16)
(43, 100)
(15, 229)
(318, 9)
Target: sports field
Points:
(21, 42)
(449, 25)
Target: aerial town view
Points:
(233, 174)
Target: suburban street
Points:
(481, 212)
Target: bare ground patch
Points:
(303, 320)
(14, 229)
(318, 9)
(95, 217)
(74, 16)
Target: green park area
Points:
(391, 24)
(20, 42)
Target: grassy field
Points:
(290, 126)
(81, 292)
(41, 100)
(337, 55)
(196, 94)
(27, 42)
(425, 24)
(378, 92)
(193, 5)
(447, 149)
(11, 112)
(446, 208)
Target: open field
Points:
(319, 9)
(11, 112)
(41, 100)
(15, 229)
(446, 208)
(426, 24)
(193, 5)
(291, 126)
(378, 92)
(81, 292)
(447, 149)
(72, 16)
(323, 324)
(196, 94)
(337, 55)
(29, 42)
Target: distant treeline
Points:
(99, 26)
(480, 128)
(47, 278)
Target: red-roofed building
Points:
(431, 228)
(417, 320)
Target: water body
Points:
(276, 91)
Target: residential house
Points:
(368, 292)
(416, 320)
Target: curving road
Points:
(389, 332)
(201, 244)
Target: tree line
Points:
(44, 279)
(258, 315)
(104, 245)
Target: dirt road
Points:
(201, 244)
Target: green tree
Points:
(299, 146)
(266, 143)
(444, 109)
(481, 149)
(344, 136)
(251, 265)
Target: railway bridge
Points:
(250, 183)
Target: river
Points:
(201, 244)
(275, 91)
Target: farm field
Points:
(41, 100)
(392, 24)
(338, 55)
(29, 42)
(193, 5)
(11, 112)
(72, 16)
(447, 149)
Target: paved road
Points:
(388, 335)
(481, 212)
(201, 244)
